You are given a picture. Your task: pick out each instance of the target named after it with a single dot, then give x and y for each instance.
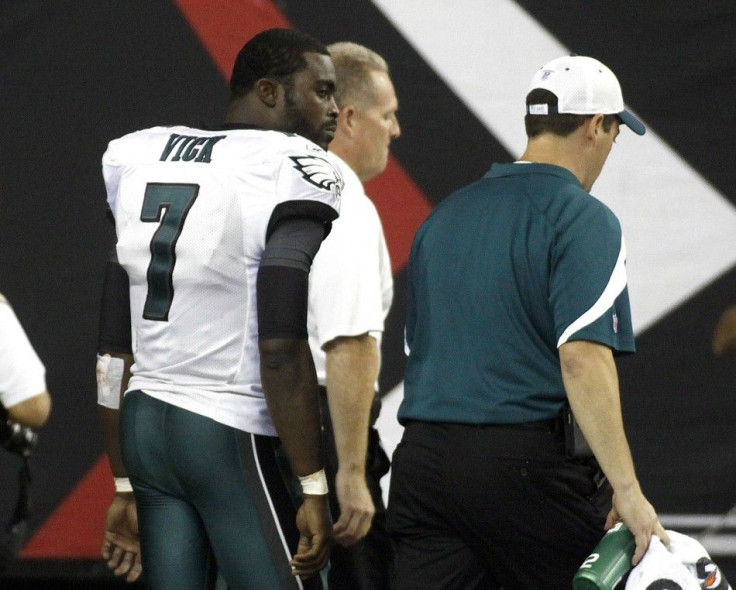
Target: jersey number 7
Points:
(167, 204)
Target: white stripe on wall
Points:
(680, 232)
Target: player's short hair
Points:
(561, 125)
(353, 67)
(274, 53)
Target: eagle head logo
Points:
(318, 171)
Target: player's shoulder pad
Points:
(317, 170)
(117, 148)
(314, 165)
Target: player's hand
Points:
(638, 514)
(356, 508)
(315, 536)
(121, 547)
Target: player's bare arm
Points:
(591, 382)
(289, 378)
(121, 543)
(290, 384)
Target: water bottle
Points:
(609, 562)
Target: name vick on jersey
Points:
(189, 148)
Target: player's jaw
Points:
(314, 125)
(327, 133)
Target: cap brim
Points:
(632, 122)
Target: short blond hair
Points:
(353, 67)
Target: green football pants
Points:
(209, 498)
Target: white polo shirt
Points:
(22, 374)
(350, 285)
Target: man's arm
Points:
(22, 382)
(591, 382)
(724, 335)
(32, 412)
(121, 545)
(114, 357)
(110, 416)
(290, 384)
(289, 379)
(352, 370)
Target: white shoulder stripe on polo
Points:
(616, 284)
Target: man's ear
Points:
(268, 91)
(346, 119)
(593, 127)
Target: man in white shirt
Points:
(24, 404)
(350, 292)
(23, 395)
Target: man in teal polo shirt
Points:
(518, 302)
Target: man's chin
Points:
(325, 138)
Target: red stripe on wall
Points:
(402, 207)
(223, 27)
(76, 528)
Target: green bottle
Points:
(608, 563)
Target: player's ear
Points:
(268, 91)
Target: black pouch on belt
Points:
(576, 447)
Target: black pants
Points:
(491, 507)
(366, 565)
(209, 498)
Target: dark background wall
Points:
(75, 74)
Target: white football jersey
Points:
(351, 284)
(192, 209)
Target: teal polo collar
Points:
(526, 168)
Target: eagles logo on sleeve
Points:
(319, 172)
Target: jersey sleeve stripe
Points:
(616, 284)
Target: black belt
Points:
(549, 425)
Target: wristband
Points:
(314, 484)
(110, 370)
(122, 485)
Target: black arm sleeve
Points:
(114, 331)
(301, 208)
(283, 277)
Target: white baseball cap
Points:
(583, 86)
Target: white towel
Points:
(685, 566)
